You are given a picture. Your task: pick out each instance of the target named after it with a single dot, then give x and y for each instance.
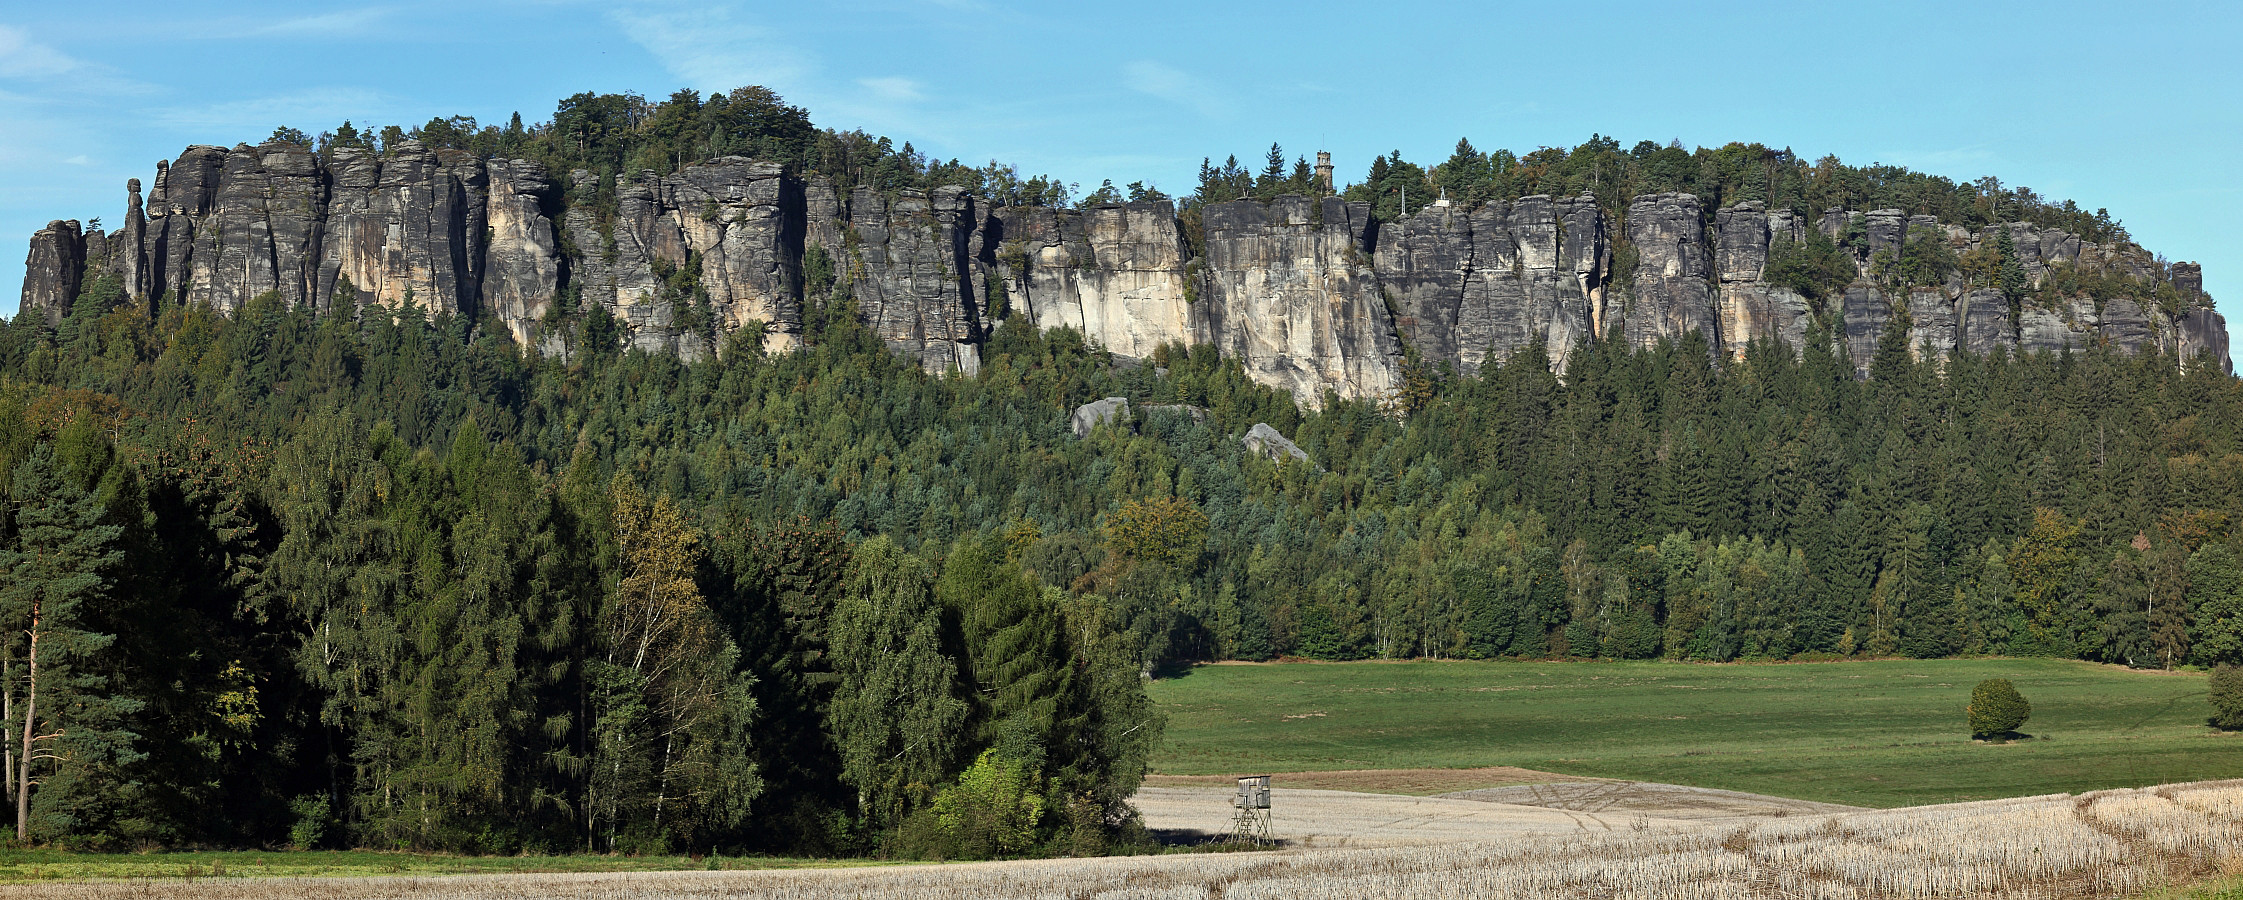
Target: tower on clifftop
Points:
(1324, 170)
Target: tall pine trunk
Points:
(30, 715)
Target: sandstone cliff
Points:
(1498, 278)
(1290, 293)
(1310, 295)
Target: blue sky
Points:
(2134, 107)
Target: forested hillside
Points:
(380, 577)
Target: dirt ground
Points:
(1313, 818)
(1387, 808)
(1415, 782)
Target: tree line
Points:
(437, 591)
(264, 604)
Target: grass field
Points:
(1879, 733)
(23, 866)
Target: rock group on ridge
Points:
(1309, 295)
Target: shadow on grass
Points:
(1171, 669)
(2005, 737)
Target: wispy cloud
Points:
(22, 57)
(704, 45)
(342, 23)
(1173, 85)
(896, 90)
(61, 78)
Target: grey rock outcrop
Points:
(1090, 415)
(261, 224)
(406, 227)
(522, 265)
(1673, 295)
(1670, 287)
(1266, 441)
(52, 271)
(745, 220)
(1748, 308)
(915, 262)
(1290, 294)
(615, 266)
(1311, 295)
(1115, 273)
(1492, 282)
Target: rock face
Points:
(1747, 308)
(1497, 279)
(1290, 293)
(920, 278)
(522, 265)
(1673, 293)
(260, 226)
(407, 227)
(1309, 295)
(52, 271)
(1115, 273)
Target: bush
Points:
(1996, 708)
(992, 812)
(313, 815)
(2227, 698)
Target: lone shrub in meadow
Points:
(1996, 708)
(2227, 698)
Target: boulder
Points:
(1090, 415)
(1266, 441)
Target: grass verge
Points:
(26, 866)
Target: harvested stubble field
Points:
(2104, 844)
(1307, 818)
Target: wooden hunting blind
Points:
(1253, 820)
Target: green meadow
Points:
(1882, 733)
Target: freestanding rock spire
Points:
(52, 271)
(131, 262)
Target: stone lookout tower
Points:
(1324, 170)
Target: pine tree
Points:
(72, 725)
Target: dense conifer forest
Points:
(390, 580)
